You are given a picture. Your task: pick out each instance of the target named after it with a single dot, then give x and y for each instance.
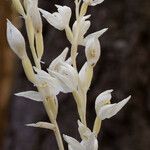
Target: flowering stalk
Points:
(62, 74)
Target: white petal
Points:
(73, 143)
(96, 34)
(57, 60)
(58, 19)
(85, 76)
(91, 143)
(53, 19)
(45, 13)
(44, 125)
(16, 40)
(67, 76)
(44, 79)
(84, 26)
(110, 110)
(65, 83)
(33, 95)
(96, 2)
(103, 99)
(65, 12)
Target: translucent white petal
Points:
(73, 143)
(110, 110)
(103, 99)
(96, 34)
(93, 2)
(91, 143)
(58, 19)
(44, 125)
(16, 40)
(61, 58)
(65, 83)
(53, 19)
(85, 76)
(84, 26)
(44, 79)
(96, 2)
(33, 95)
(65, 12)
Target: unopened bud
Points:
(92, 51)
(18, 7)
(16, 40)
(34, 13)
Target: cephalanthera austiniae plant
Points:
(62, 74)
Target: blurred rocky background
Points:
(124, 67)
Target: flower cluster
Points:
(62, 74)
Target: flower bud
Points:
(16, 40)
(92, 51)
(34, 13)
(18, 7)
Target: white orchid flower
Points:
(104, 108)
(93, 2)
(48, 84)
(84, 26)
(16, 40)
(62, 70)
(67, 77)
(89, 141)
(60, 19)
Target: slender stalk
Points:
(58, 136)
(52, 118)
(30, 33)
(97, 125)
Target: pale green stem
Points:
(80, 105)
(30, 33)
(97, 125)
(39, 45)
(52, 118)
